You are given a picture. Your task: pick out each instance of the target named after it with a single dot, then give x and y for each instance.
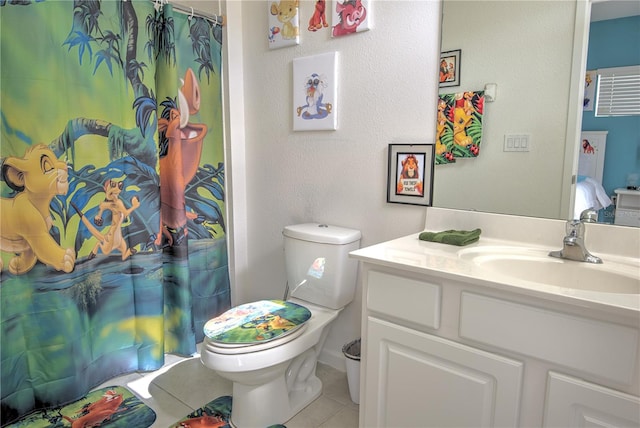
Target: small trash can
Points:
(352, 351)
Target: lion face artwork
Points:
(409, 182)
(25, 219)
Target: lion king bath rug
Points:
(113, 406)
(214, 414)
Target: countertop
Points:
(409, 253)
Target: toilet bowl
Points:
(273, 384)
(269, 349)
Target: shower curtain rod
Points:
(217, 19)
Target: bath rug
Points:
(214, 414)
(113, 407)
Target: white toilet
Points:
(269, 349)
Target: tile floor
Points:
(184, 384)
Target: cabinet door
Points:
(418, 380)
(572, 402)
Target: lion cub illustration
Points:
(25, 220)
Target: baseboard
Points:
(333, 359)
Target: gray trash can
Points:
(352, 351)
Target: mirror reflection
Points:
(534, 53)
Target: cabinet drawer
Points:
(407, 299)
(579, 343)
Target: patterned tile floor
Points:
(183, 385)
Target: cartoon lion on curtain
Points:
(25, 219)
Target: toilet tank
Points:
(319, 269)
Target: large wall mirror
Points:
(536, 54)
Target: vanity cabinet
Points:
(420, 380)
(441, 351)
(574, 403)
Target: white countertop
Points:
(411, 254)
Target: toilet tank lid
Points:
(322, 233)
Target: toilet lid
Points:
(256, 322)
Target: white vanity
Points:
(496, 333)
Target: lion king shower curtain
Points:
(112, 225)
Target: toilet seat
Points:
(219, 348)
(255, 326)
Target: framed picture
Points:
(315, 90)
(450, 68)
(410, 179)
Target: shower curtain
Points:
(112, 224)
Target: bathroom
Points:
(279, 177)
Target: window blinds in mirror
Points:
(618, 91)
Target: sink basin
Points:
(535, 265)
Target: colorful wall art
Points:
(350, 16)
(318, 19)
(450, 68)
(410, 174)
(315, 92)
(459, 126)
(590, 79)
(284, 28)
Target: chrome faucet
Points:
(573, 243)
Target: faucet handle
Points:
(589, 216)
(574, 228)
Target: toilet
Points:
(269, 349)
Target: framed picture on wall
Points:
(450, 68)
(410, 174)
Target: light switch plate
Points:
(517, 142)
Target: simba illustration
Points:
(25, 219)
(112, 239)
(94, 414)
(409, 181)
(180, 160)
(285, 11)
(461, 119)
(351, 13)
(314, 108)
(319, 18)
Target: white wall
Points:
(276, 177)
(387, 84)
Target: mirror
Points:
(536, 54)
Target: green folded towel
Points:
(452, 237)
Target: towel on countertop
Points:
(452, 237)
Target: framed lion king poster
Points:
(410, 173)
